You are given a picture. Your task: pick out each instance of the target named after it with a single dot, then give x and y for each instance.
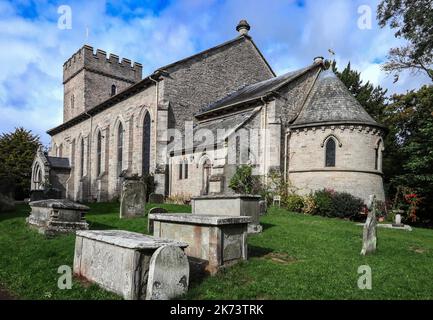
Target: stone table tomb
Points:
(230, 205)
(57, 216)
(131, 264)
(218, 240)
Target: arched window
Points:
(185, 175)
(98, 153)
(37, 176)
(146, 144)
(180, 170)
(82, 157)
(378, 156)
(72, 101)
(119, 148)
(330, 153)
(113, 90)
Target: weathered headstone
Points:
(150, 222)
(263, 207)
(168, 274)
(156, 198)
(6, 203)
(133, 198)
(369, 238)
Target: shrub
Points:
(244, 182)
(323, 200)
(310, 206)
(346, 205)
(330, 203)
(294, 203)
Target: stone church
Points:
(226, 106)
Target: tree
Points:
(411, 116)
(17, 151)
(413, 21)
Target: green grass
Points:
(296, 257)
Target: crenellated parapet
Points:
(86, 58)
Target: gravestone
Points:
(133, 198)
(263, 207)
(168, 274)
(149, 221)
(369, 238)
(156, 198)
(6, 203)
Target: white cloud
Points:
(289, 33)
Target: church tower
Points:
(89, 79)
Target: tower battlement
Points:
(87, 58)
(91, 77)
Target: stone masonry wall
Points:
(130, 113)
(207, 78)
(354, 169)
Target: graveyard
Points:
(296, 256)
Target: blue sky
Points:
(290, 33)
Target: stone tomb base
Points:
(218, 240)
(132, 265)
(230, 205)
(57, 216)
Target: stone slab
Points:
(199, 219)
(59, 204)
(128, 239)
(168, 274)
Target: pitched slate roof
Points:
(57, 162)
(254, 91)
(331, 102)
(227, 124)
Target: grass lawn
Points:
(296, 257)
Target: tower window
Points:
(72, 101)
(330, 153)
(113, 90)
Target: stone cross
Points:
(369, 238)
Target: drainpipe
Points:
(265, 138)
(156, 113)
